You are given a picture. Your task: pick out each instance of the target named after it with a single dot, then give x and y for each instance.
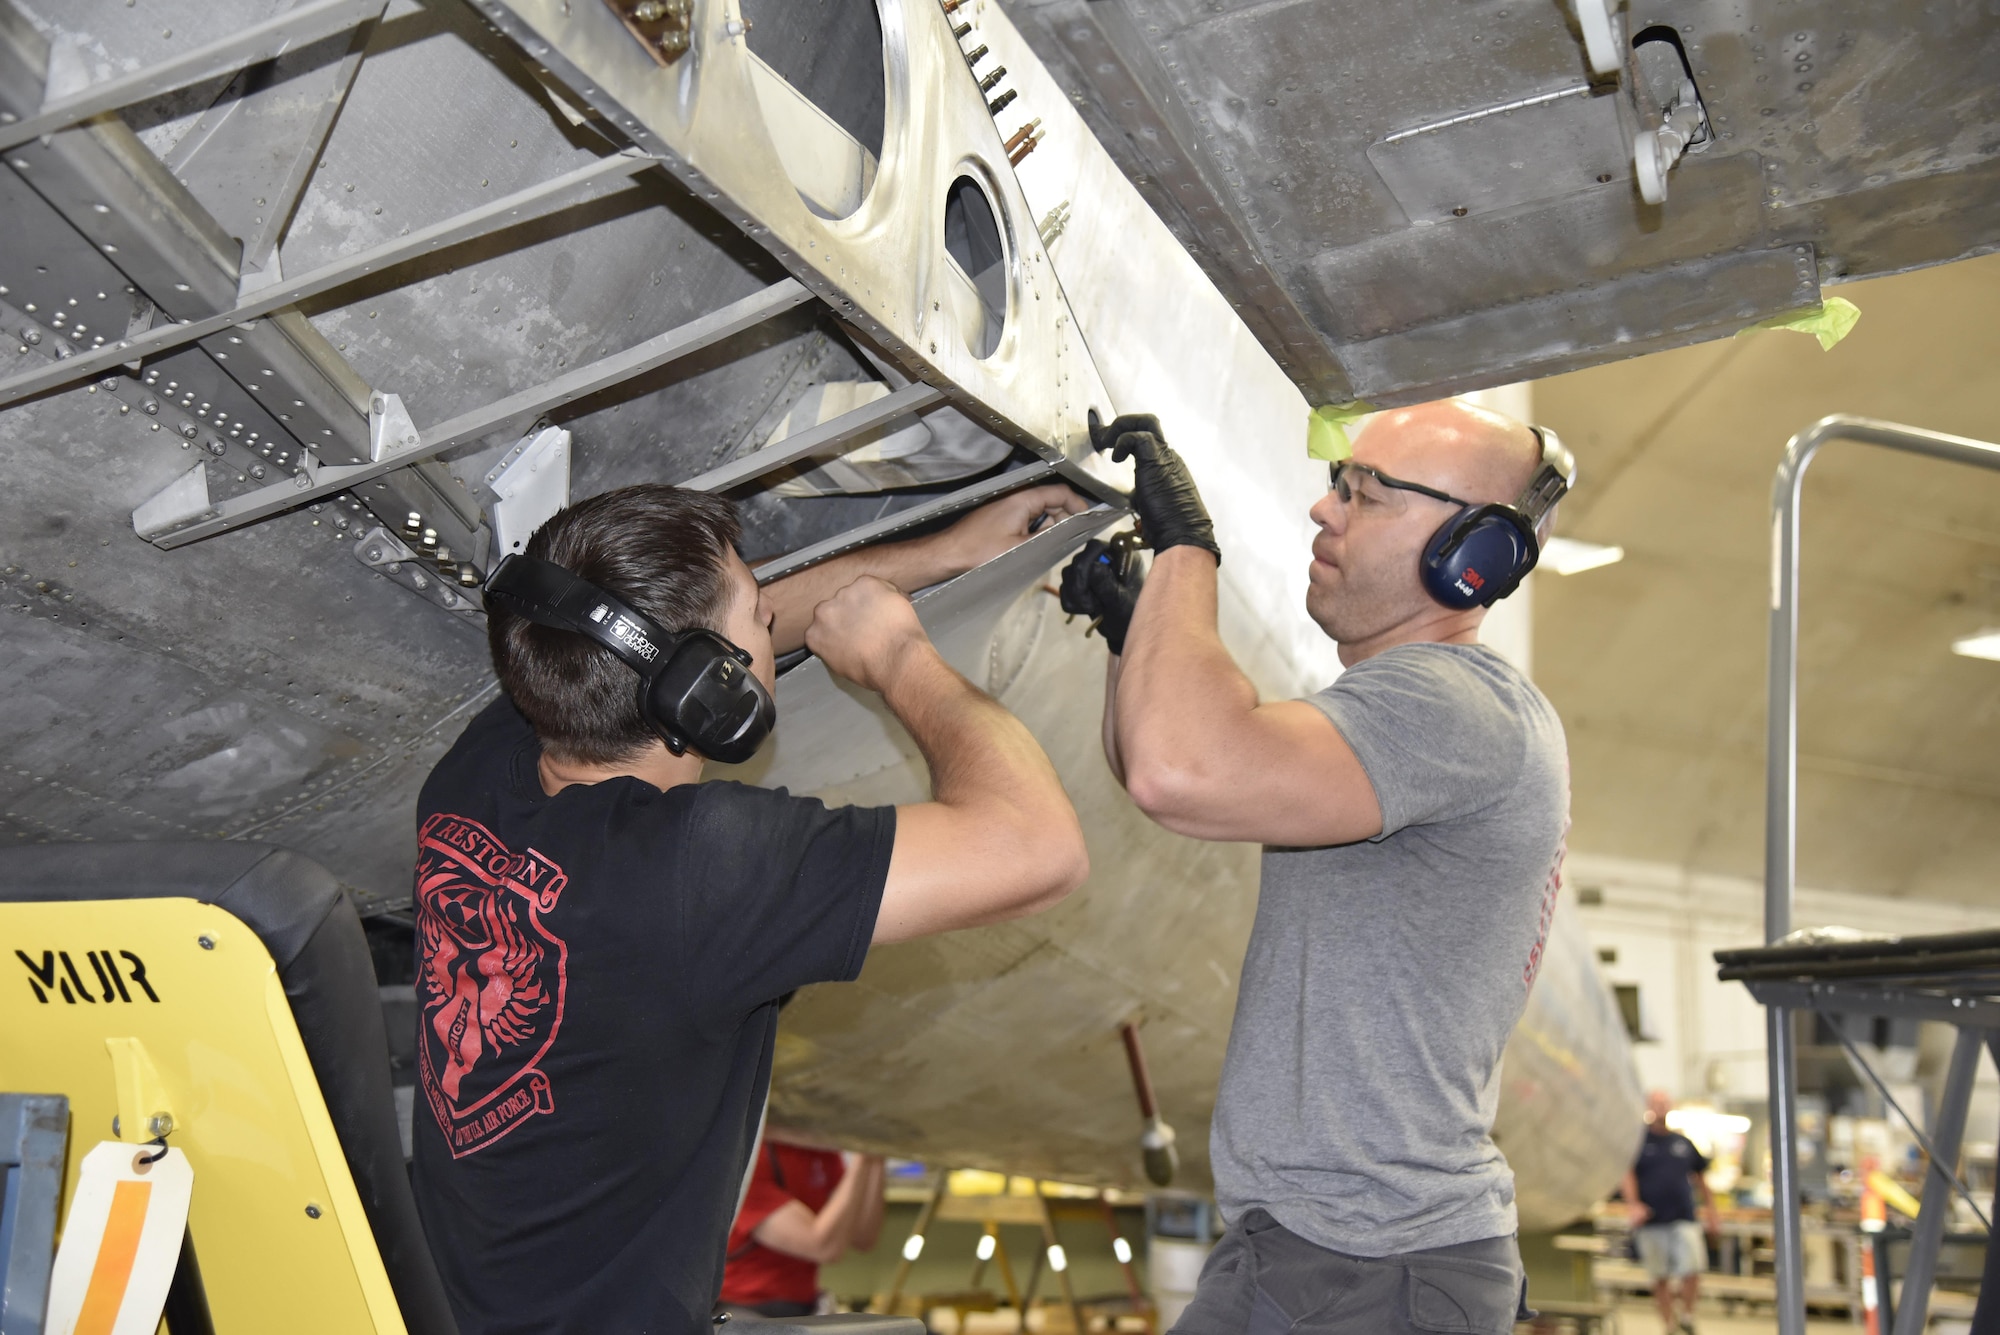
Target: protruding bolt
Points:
(205, 941)
(649, 11)
(430, 539)
(160, 1124)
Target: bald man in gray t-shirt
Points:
(1413, 816)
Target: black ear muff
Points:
(696, 689)
(1479, 557)
(708, 699)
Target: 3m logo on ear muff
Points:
(1470, 580)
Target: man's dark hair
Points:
(659, 549)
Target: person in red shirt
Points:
(805, 1208)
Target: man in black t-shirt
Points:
(1659, 1194)
(604, 939)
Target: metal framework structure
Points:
(1973, 1012)
(127, 223)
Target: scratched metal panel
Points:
(1560, 143)
(1261, 132)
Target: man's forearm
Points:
(975, 749)
(911, 565)
(1109, 728)
(1177, 684)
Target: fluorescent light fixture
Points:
(1568, 556)
(1706, 1121)
(1122, 1250)
(1986, 644)
(914, 1247)
(1058, 1259)
(986, 1244)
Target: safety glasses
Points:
(1376, 492)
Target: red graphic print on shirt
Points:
(491, 982)
(1550, 889)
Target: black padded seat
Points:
(313, 934)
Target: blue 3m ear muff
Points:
(696, 689)
(1482, 553)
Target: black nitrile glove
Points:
(1103, 583)
(1163, 492)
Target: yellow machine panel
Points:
(167, 1015)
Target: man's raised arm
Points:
(917, 563)
(999, 838)
(1187, 734)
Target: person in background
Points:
(805, 1208)
(1659, 1195)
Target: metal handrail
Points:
(1781, 805)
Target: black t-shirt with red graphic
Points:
(597, 991)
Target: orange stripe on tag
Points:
(115, 1254)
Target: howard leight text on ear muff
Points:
(696, 689)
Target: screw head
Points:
(312, 1211)
(160, 1124)
(205, 941)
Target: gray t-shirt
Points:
(1383, 977)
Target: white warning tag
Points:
(121, 1242)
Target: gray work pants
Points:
(1263, 1279)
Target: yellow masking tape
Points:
(1326, 430)
(1828, 322)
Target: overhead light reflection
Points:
(914, 1247)
(1986, 644)
(986, 1245)
(1706, 1121)
(1569, 556)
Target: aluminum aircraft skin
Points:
(312, 310)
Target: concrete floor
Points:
(1635, 1317)
(1638, 1317)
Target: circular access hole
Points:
(978, 268)
(821, 84)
